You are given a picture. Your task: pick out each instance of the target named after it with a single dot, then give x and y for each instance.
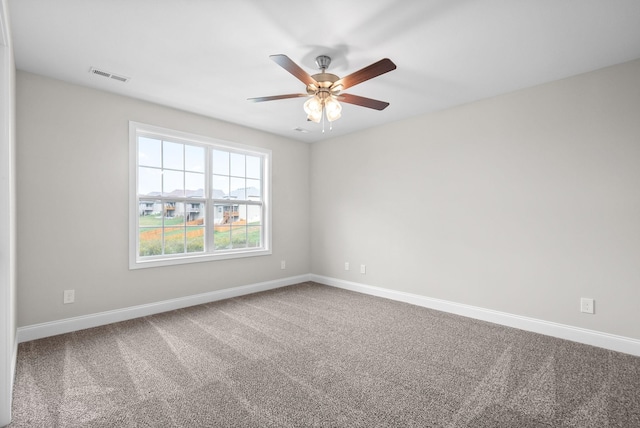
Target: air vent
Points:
(304, 131)
(120, 78)
(109, 75)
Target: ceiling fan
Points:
(325, 89)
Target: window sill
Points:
(196, 258)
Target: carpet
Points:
(311, 355)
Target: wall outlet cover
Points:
(69, 296)
(587, 305)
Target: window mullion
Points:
(164, 207)
(209, 206)
(184, 202)
(238, 201)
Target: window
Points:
(195, 199)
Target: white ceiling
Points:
(208, 56)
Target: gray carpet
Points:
(313, 355)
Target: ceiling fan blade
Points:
(276, 97)
(363, 101)
(376, 69)
(293, 68)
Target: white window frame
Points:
(210, 254)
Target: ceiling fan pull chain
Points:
(323, 115)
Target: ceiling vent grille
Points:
(109, 75)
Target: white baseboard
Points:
(576, 334)
(38, 331)
(589, 337)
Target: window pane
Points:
(238, 188)
(226, 213)
(239, 236)
(173, 214)
(174, 232)
(254, 234)
(222, 237)
(173, 240)
(149, 181)
(220, 186)
(220, 162)
(194, 212)
(199, 193)
(172, 155)
(237, 165)
(241, 214)
(253, 167)
(195, 239)
(254, 214)
(194, 184)
(150, 241)
(253, 190)
(232, 213)
(172, 183)
(149, 152)
(194, 158)
(218, 214)
(150, 213)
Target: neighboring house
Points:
(193, 210)
(231, 213)
(227, 214)
(169, 209)
(146, 208)
(224, 213)
(248, 193)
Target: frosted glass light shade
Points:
(333, 109)
(315, 116)
(313, 106)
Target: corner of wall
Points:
(8, 337)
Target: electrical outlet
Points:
(69, 296)
(587, 305)
(363, 269)
(346, 265)
(283, 264)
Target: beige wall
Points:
(73, 204)
(522, 203)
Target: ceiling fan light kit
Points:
(325, 89)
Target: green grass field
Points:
(176, 236)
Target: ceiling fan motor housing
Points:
(323, 62)
(324, 80)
